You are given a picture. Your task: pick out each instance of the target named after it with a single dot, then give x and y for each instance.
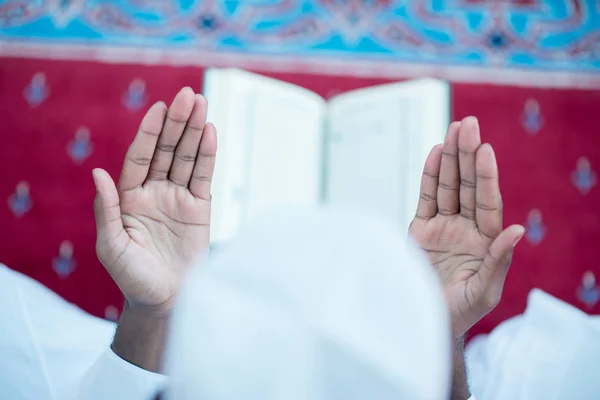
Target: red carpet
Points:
(538, 156)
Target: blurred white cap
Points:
(313, 304)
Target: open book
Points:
(283, 145)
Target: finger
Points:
(177, 118)
(488, 205)
(427, 207)
(111, 238)
(489, 280)
(469, 141)
(449, 180)
(187, 149)
(140, 152)
(205, 164)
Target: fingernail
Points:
(518, 238)
(199, 98)
(95, 177)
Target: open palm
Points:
(157, 223)
(459, 224)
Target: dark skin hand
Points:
(156, 222)
(459, 224)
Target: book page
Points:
(377, 142)
(270, 146)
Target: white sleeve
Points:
(113, 378)
(53, 350)
(47, 344)
(485, 352)
(549, 352)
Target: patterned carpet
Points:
(76, 78)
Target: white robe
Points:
(51, 349)
(551, 352)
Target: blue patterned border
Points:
(534, 35)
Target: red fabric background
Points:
(536, 170)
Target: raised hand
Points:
(156, 223)
(459, 224)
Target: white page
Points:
(270, 146)
(377, 142)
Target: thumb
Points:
(492, 273)
(110, 235)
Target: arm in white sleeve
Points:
(53, 350)
(113, 378)
(550, 351)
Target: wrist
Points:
(147, 313)
(460, 386)
(140, 336)
(459, 346)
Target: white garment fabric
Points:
(50, 349)
(316, 304)
(551, 352)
